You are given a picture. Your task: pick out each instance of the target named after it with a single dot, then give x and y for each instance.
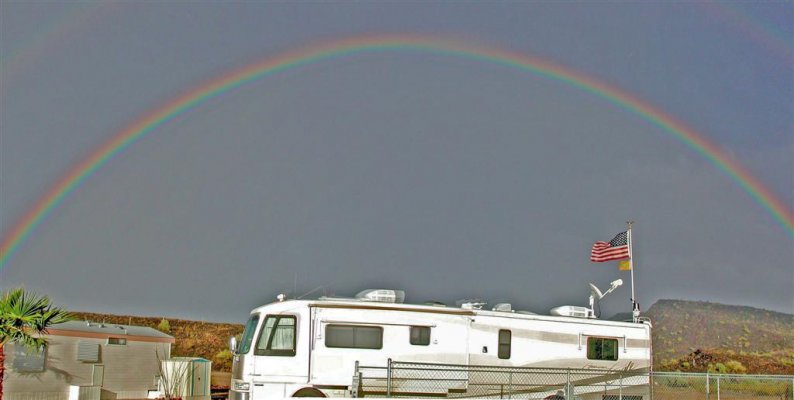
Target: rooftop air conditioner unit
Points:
(381, 295)
(504, 307)
(572, 311)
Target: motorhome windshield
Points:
(248, 335)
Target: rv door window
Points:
(420, 335)
(602, 349)
(248, 334)
(354, 337)
(504, 343)
(277, 337)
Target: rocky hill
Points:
(690, 335)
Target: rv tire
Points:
(308, 392)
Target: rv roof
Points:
(433, 309)
(108, 329)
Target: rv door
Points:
(280, 357)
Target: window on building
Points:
(28, 360)
(248, 335)
(420, 335)
(354, 337)
(504, 343)
(277, 337)
(602, 349)
(117, 341)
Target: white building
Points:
(89, 361)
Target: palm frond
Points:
(24, 317)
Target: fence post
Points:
(708, 380)
(568, 394)
(510, 384)
(356, 387)
(388, 378)
(620, 387)
(718, 387)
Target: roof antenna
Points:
(311, 291)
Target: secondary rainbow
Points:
(391, 43)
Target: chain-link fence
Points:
(405, 379)
(680, 386)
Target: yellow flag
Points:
(624, 265)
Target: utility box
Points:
(186, 377)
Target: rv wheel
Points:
(308, 392)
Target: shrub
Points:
(223, 360)
(719, 368)
(735, 367)
(164, 326)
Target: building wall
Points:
(129, 370)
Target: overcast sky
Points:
(447, 177)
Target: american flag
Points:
(615, 249)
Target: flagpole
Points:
(634, 306)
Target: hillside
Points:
(690, 336)
(681, 327)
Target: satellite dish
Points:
(596, 292)
(597, 295)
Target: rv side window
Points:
(420, 335)
(354, 337)
(277, 337)
(602, 349)
(504, 343)
(248, 335)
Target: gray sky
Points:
(449, 178)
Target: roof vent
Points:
(471, 304)
(381, 295)
(504, 307)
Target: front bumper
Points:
(235, 395)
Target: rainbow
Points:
(20, 232)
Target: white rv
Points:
(309, 348)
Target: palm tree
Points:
(24, 318)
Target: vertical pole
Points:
(707, 385)
(356, 387)
(510, 384)
(388, 379)
(620, 387)
(634, 309)
(718, 387)
(568, 394)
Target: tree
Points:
(164, 326)
(24, 318)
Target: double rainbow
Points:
(20, 232)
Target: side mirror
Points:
(233, 344)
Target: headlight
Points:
(240, 386)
